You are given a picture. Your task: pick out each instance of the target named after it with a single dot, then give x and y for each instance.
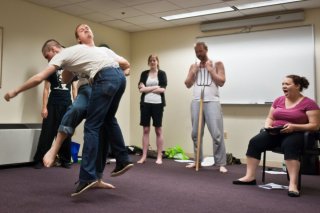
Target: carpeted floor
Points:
(151, 188)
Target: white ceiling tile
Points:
(102, 5)
(157, 25)
(125, 13)
(74, 10)
(133, 28)
(145, 19)
(97, 17)
(135, 2)
(169, 13)
(156, 7)
(193, 3)
(119, 24)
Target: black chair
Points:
(311, 150)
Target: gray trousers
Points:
(212, 116)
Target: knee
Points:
(253, 146)
(146, 130)
(158, 131)
(79, 110)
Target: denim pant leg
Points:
(111, 136)
(102, 153)
(105, 89)
(77, 111)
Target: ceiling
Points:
(141, 15)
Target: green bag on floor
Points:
(176, 153)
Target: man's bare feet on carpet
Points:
(192, 165)
(223, 169)
(49, 159)
(103, 185)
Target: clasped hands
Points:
(208, 65)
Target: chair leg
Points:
(299, 180)
(299, 175)
(264, 166)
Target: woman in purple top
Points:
(296, 114)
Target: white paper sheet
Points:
(273, 186)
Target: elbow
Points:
(188, 85)
(37, 80)
(221, 83)
(316, 127)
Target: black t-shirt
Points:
(59, 92)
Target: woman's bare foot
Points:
(142, 160)
(49, 159)
(223, 169)
(246, 179)
(159, 161)
(293, 187)
(103, 185)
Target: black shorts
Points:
(148, 111)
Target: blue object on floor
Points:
(74, 151)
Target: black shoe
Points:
(66, 165)
(38, 165)
(293, 194)
(239, 182)
(82, 186)
(121, 168)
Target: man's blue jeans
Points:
(107, 89)
(77, 111)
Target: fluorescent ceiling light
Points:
(264, 3)
(197, 13)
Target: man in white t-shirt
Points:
(108, 85)
(209, 76)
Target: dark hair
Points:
(104, 45)
(153, 56)
(201, 43)
(299, 80)
(48, 44)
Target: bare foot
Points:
(142, 160)
(223, 169)
(246, 179)
(293, 187)
(191, 165)
(103, 185)
(49, 159)
(159, 161)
